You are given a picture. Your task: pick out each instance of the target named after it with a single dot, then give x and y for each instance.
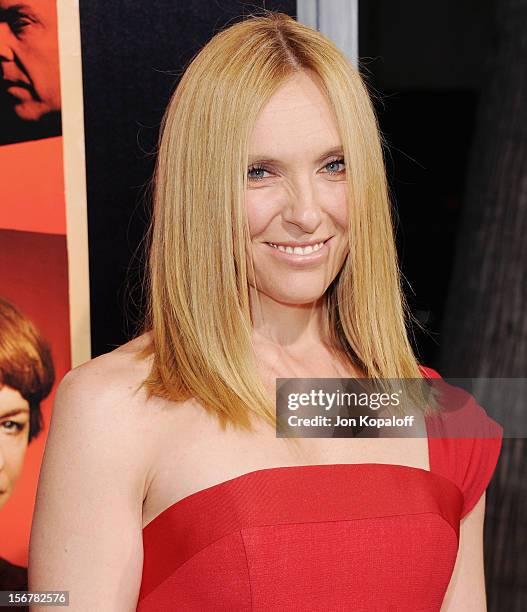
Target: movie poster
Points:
(44, 305)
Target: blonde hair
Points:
(198, 306)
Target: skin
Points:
(466, 590)
(14, 431)
(167, 452)
(29, 57)
(299, 197)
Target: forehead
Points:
(296, 117)
(10, 399)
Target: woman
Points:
(164, 485)
(26, 378)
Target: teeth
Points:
(298, 250)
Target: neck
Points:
(293, 327)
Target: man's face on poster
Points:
(29, 58)
(14, 433)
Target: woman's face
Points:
(296, 195)
(14, 432)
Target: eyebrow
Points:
(13, 412)
(15, 8)
(6, 12)
(338, 150)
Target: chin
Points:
(298, 296)
(30, 112)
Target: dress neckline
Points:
(270, 470)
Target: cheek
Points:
(19, 461)
(42, 63)
(14, 452)
(46, 80)
(338, 206)
(260, 211)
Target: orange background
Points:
(34, 276)
(32, 180)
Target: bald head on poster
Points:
(30, 101)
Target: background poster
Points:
(44, 305)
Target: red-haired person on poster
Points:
(26, 378)
(164, 484)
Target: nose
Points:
(6, 51)
(303, 207)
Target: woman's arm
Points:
(86, 535)
(466, 591)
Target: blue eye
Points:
(255, 173)
(336, 162)
(255, 169)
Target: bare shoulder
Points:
(93, 480)
(101, 406)
(102, 403)
(107, 392)
(111, 378)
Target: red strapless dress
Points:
(358, 537)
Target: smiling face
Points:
(296, 197)
(14, 430)
(29, 61)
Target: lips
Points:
(299, 244)
(300, 256)
(311, 243)
(7, 83)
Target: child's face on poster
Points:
(14, 432)
(29, 58)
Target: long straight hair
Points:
(198, 293)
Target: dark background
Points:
(427, 64)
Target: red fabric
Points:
(464, 442)
(360, 537)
